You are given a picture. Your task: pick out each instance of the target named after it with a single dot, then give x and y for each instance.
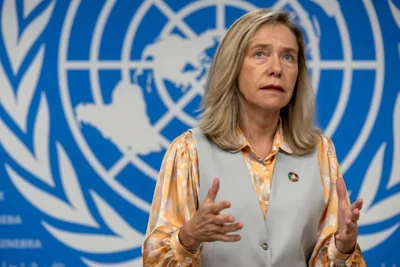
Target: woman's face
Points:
(269, 71)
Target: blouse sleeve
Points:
(325, 252)
(175, 201)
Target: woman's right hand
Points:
(208, 225)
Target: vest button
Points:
(264, 246)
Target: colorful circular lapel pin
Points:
(293, 176)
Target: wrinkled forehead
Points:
(277, 35)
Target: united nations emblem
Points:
(131, 76)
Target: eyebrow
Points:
(266, 46)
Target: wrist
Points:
(187, 240)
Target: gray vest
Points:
(288, 236)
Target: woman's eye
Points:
(260, 54)
(288, 57)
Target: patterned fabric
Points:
(176, 201)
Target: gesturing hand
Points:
(208, 224)
(348, 216)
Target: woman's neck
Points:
(259, 129)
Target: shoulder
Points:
(326, 145)
(183, 144)
(328, 162)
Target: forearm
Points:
(174, 203)
(331, 256)
(162, 248)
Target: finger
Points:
(350, 226)
(227, 228)
(218, 207)
(358, 204)
(227, 238)
(230, 228)
(341, 192)
(212, 192)
(224, 229)
(221, 219)
(355, 215)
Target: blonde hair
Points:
(221, 103)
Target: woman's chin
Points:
(273, 105)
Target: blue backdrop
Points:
(93, 91)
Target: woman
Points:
(256, 184)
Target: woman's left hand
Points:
(348, 215)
